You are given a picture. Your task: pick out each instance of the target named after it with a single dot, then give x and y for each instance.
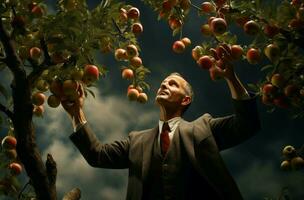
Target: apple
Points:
(270, 30)
(219, 3)
(138, 88)
(137, 28)
(133, 13)
(290, 90)
(127, 73)
(132, 94)
(77, 74)
(178, 46)
(296, 24)
(123, 16)
(285, 165)
(38, 110)
(35, 53)
(23, 52)
(251, 27)
(132, 50)
(37, 11)
(142, 97)
(218, 26)
(197, 52)
(207, 7)
(205, 30)
(205, 62)
(241, 20)
(184, 4)
(70, 87)
(281, 102)
(253, 55)
(91, 73)
(18, 22)
(297, 163)
(272, 52)
(53, 101)
(186, 41)
(167, 6)
(58, 57)
(174, 23)
(289, 151)
(15, 168)
(136, 61)
(120, 54)
(267, 100)
(42, 85)
(296, 3)
(215, 73)
(278, 80)
(269, 89)
(38, 98)
(236, 51)
(56, 88)
(11, 154)
(9, 142)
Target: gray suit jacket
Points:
(203, 139)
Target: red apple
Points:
(296, 24)
(219, 3)
(267, 100)
(56, 88)
(297, 163)
(241, 20)
(178, 46)
(123, 16)
(184, 4)
(236, 52)
(15, 168)
(132, 94)
(127, 74)
(133, 13)
(38, 98)
(271, 30)
(35, 53)
(207, 7)
(285, 165)
(205, 62)
(290, 90)
(132, 50)
(278, 80)
(186, 41)
(167, 6)
(91, 73)
(269, 89)
(9, 142)
(281, 101)
(120, 54)
(272, 52)
(53, 101)
(58, 57)
(251, 27)
(136, 61)
(37, 11)
(218, 26)
(11, 154)
(253, 55)
(137, 28)
(142, 97)
(205, 30)
(70, 87)
(18, 22)
(174, 23)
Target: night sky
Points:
(255, 164)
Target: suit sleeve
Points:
(232, 130)
(113, 155)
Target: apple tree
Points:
(51, 57)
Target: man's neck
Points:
(167, 114)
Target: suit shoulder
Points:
(136, 133)
(205, 118)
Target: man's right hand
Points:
(74, 107)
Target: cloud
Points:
(111, 117)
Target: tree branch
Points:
(74, 194)
(6, 111)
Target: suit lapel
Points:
(147, 145)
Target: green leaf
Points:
(4, 92)
(266, 67)
(91, 92)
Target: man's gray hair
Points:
(188, 89)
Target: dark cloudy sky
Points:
(254, 164)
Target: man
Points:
(176, 159)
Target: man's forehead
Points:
(174, 77)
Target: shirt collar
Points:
(172, 123)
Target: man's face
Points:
(171, 91)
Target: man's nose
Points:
(163, 86)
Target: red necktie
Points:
(164, 138)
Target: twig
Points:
(22, 190)
(9, 113)
(195, 6)
(118, 29)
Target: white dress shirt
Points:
(173, 124)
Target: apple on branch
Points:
(91, 73)
(178, 47)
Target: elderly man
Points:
(176, 159)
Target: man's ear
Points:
(186, 100)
